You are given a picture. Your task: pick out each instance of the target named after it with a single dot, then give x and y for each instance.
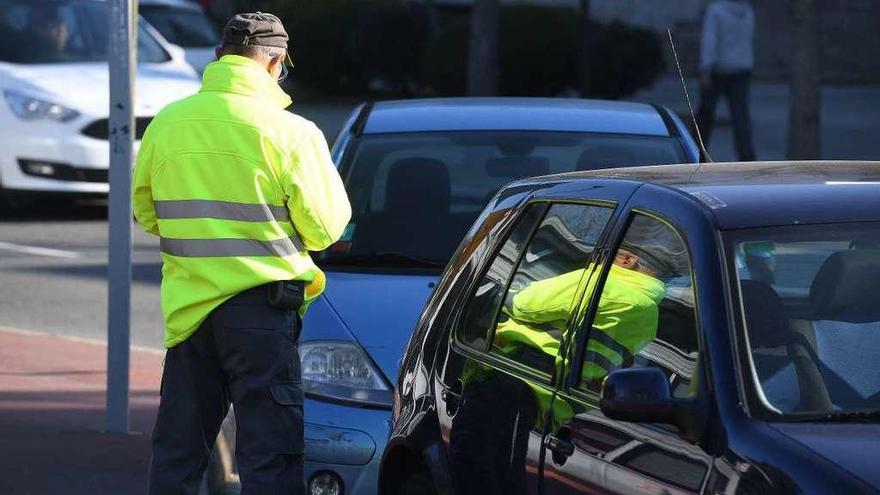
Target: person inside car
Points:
(50, 33)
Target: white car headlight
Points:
(341, 371)
(30, 108)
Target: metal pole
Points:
(123, 20)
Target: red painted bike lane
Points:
(52, 398)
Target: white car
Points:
(54, 94)
(183, 23)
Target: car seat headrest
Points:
(847, 287)
(420, 186)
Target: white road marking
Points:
(38, 251)
(851, 183)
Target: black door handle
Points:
(560, 445)
(452, 397)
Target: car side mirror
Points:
(640, 395)
(643, 395)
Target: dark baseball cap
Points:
(659, 258)
(255, 29)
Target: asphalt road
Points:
(53, 274)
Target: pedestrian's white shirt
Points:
(728, 31)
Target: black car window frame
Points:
(498, 361)
(571, 390)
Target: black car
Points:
(705, 328)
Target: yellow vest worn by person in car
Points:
(238, 190)
(625, 321)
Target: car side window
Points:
(548, 281)
(646, 312)
(483, 306)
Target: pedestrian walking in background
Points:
(239, 190)
(726, 63)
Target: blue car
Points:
(418, 173)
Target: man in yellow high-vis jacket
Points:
(239, 190)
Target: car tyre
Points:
(16, 203)
(416, 484)
(7, 205)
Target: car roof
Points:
(183, 4)
(527, 114)
(763, 194)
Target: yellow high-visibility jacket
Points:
(238, 189)
(625, 321)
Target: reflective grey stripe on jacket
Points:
(599, 360)
(606, 340)
(209, 248)
(220, 210)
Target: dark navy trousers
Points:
(245, 353)
(735, 87)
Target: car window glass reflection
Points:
(645, 316)
(546, 285)
(489, 294)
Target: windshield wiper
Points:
(382, 259)
(838, 417)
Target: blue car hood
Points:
(379, 310)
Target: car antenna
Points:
(687, 97)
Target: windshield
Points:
(415, 195)
(63, 31)
(811, 310)
(187, 28)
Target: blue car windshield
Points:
(811, 312)
(415, 195)
(64, 31)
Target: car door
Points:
(642, 313)
(503, 364)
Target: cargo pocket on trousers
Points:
(288, 396)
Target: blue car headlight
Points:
(30, 108)
(340, 371)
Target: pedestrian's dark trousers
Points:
(244, 352)
(734, 87)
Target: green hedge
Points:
(536, 53)
(345, 46)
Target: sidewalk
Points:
(52, 397)
(848, 121)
